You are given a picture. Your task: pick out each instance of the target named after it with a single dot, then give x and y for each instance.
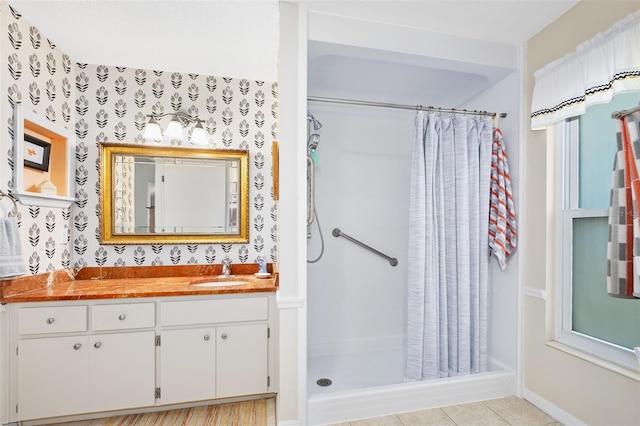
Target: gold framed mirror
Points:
(173, 195)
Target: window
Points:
(588, 318)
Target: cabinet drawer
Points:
(52, 319)
(123, 316)
(213, 311)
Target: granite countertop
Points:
(137, 281)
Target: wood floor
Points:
(260, 412)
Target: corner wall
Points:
(40, 77)
(291, 297)
(102, 103)
(569, 387)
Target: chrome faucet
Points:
(226, 266)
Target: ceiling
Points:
(218, 37)
(191, 36)
(503, 21)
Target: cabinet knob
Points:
(122, 317)
(97, 345)
(223, 336)
(206, 338)
(50, 320)
(77, 346)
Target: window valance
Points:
(600, 68)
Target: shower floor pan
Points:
(354, 370)
(370, 384)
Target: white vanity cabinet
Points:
(188, 368)
(207, 363)
(121, 367)
(77, 357)
(241, 360)
(214, 348)
(121, 371)
(53, 377)
(80, 374)
(82, 371)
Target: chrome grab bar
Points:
(338, 233)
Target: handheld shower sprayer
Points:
(312, 120)
(314, 138)
(312, 144)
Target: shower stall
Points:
(360, 169)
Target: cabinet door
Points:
(53, 377)
(122, 370)
(187, 365)
(241, 360)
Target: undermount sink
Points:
(219, 283)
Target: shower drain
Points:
(324, 382)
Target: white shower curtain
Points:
(448, 257)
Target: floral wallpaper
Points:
(38, 76)
(109, 104)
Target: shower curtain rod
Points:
(402, 106)
(624, 112)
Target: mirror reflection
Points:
(168, 194)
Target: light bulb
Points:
(153, 131)
(199, 135)
(174, 129)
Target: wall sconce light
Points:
(174, 128)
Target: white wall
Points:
(292, 356)
(572, 386)
(362, 187)
(434, 48)
(503, 312)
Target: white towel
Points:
(11, 262)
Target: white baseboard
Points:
(535, 293)
(290, 302)
(553, 410)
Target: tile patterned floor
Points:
(505, 411)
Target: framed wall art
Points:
(42, 151)
(36, 153)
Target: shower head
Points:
(316, 124)
(314, 140)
